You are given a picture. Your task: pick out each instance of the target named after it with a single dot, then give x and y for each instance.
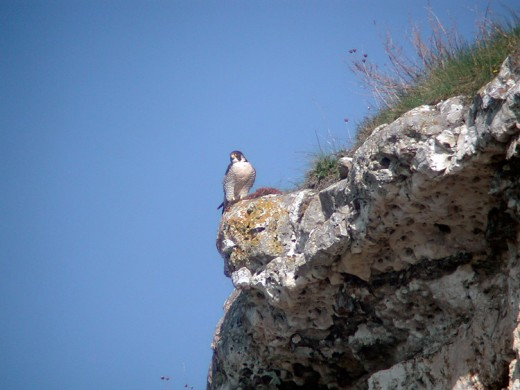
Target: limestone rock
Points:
(405, 274)
(344, 166)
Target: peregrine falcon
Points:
(238, 180)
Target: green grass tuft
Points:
(324, 171)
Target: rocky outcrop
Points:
(403, 275)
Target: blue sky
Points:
(116, 123)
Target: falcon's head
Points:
(236, 156)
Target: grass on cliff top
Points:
(444, 66)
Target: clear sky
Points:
(116, 123)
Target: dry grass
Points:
(444, 66)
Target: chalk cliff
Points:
(403, 275)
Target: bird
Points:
(238, 180)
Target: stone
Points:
(344, 166)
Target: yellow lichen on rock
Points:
(252, 228)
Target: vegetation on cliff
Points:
(444, 65)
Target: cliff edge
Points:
(405, 274)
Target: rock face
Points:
(403, 275)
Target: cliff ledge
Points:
(405, 274)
